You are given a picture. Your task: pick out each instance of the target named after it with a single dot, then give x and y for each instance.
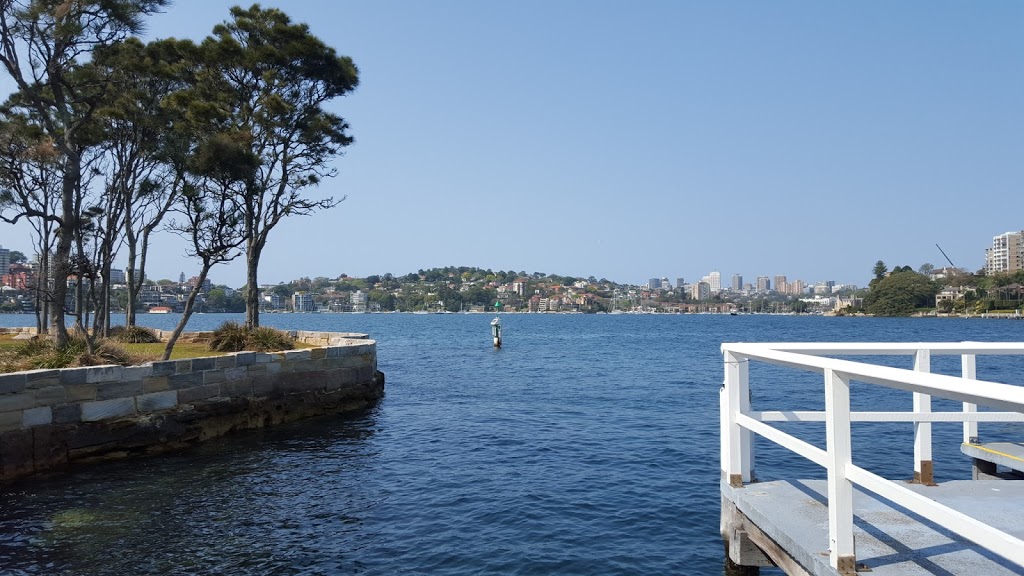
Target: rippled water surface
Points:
(587, 445)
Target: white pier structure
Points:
(858, 521)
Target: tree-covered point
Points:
(900, 292)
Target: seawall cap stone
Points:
(137, 372)
(70, 376)
(295, 355)
(46, 374)
(164, 368)
(104, 374)
(12, 383)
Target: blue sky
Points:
(659, 138)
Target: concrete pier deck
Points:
(793, 514)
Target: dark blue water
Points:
(587, 445)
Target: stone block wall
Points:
(49, 418)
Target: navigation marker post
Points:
(496, 331)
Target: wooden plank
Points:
(738, 521)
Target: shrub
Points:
(233, 337)
(264, 339)
(229, 337)
(106, 352)
(134, 334)
(34, 346)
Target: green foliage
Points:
(880, 270)
(901, 294)
(134, 334)
(229, 337)
(265, 339)
(234, 337)
(43, 353)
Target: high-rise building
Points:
(763, 284)
(797, 287)
(679, 283)
(700, 291)
(302, 302)
(1006, 254)
(665, 283)
(654, 283)
(715, 282)
(5, 261)
(781, 285)
(358, 301)
(737, 282)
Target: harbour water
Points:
(585, 445)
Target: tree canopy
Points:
(901, 293)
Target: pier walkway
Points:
(857, 521)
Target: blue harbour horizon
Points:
(587, 444)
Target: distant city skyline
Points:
(591, 137)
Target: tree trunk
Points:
(252, 289)
(45, 292)
(133, 286)
(189, 304)
(65, 237)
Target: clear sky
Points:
(631, 140)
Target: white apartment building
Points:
(302, 302)
(715, 282)
(1006, 254)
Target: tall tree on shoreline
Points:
(139, 140)
(211, 219)
(45, 46)
(29, 189)
(277, 77)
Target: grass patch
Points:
(20, 355)
(154, 351)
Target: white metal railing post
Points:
(969, 369)
(842, 553)
(736, 459)
(923, 469)
(746, 436)
(724, 425)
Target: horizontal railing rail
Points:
(739, 422)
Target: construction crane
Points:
(944, 255)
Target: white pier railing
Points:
(739, 423)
